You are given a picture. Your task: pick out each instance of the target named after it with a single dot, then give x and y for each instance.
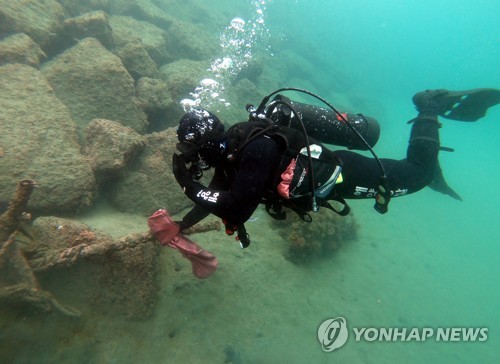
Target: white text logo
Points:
(332, 333)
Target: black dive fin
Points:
(439, 184)
(469, 105)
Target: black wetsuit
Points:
(361, 174)
(238, 186)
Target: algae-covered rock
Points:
(111, 147)
(182, 78)
(156, 100)
(186, 40)
(149, 183)
(145, 10)
(209, 15)
(38, 141)
(93, 83)
(238, 95)
(137, 60)
(20, 48)
(79, 7)
(326, 234)
(153, 94)
(92, 271)
(40, 19)
(127, 29)
(184, 75)
(94, 24)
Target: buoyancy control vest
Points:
(292, 185)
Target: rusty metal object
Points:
(69, 256)
(203, 227)
(16, 212)
(19, 286)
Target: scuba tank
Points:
(325, 125)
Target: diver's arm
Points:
(198, 213)
(194, 216)
(223, 204)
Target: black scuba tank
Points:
(326, 126)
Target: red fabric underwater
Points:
(166, 232)
(286, 178)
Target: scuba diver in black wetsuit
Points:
(277, 157)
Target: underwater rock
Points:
(41, 20)
(208, 16)
(156, 100)
(78, 7)
(111, 147)
(38, 140)
(273, 74)
(94, 24)
(65, 253)
(136, 60)
(186, 40)
(93, 83)
(241, 93)
(51, 234)
(252, 71)
(326, 234)
(127, 29)
(145, 10)
(20, 48)
(182, 77)
(149, 183)
(153, 94)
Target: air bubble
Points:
(238, 24)
(238, 41)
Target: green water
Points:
(436, 262)
(437, 259)
(431, 262)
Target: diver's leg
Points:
(470, 105)
(361, 175)
(423, 146)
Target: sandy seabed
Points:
(261, 308)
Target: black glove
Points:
(382, 196)
(182, 226)
(181, 172)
